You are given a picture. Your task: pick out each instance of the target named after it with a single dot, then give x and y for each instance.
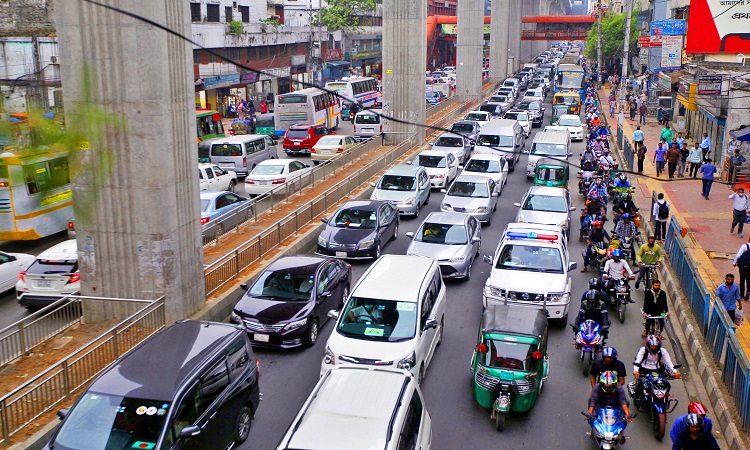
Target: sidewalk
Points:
(708, 221)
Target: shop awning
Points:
(338, 63)
(743, 134)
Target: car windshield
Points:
(469, 189)
(493, 140)
(397, 183)
(267, 169)
(329, 141)
(205, 204)
(445, 141)
(283, 284)
(488, 108)
(355, 218)
(296, 134)
(441, 233)
(512, 355)
(483, 166)
(431, 161)
(367, 119)
(226, 150)
(378, 320)
(509, 83)
(433, 95)
(531, 258)
(569, 122)
(497, 99)
(548, 203)
(534, 106)
(477, 117)
(112, 422)
(462, 128)
(543, 149)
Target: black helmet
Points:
(694, 419)
(595, 284)
(653, 344)
(590, 299)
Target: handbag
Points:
(739, 316)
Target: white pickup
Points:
(215, 178)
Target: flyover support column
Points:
(514, 38)
(469, 50)
(137, 210)
(404, 59)
(500, 16)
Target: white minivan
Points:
(394, 317)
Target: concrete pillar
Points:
(135, 194)
(500, 16)
(469, 49)
(514, 38)
(404, 59)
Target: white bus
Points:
(311, 105)
(363, 90)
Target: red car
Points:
(300, 138)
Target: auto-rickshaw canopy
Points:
(509, 319)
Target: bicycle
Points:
(657, 325)
(650, 276)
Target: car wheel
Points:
(242, 428)
(312, 333)
(468, 272)
(232, 186)
(395, 232)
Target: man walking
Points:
(742, 262)
(666, 133)
(672, 157)
(659, 154)
(641, 156)
(660, 213)
(729, 295)
(638, 137)
(741, 205)
(682, 164)
(707, 173)
(737, 160)
(705, 146)
(642, 110)
(694, 158)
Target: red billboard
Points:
(718, 26)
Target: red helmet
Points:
(598, 223)
(697, 408)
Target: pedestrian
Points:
(680, 140)
(642, 110)
(633, 109)
(641, 156)
(658, 160)
(672, 157)
(660, 212)
(660, 115)
(741, 204)
(612, 108)
(638, 137)
(682, 164)
(705, 146)
(241, 110)
(737, 160)
(263, 106)
(729, 295)
(251, 108)
(694, 158)
(708, 169)
(666, 133)
(742, 262)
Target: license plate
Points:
(370, 130)
(221, 164)
(296, 142)
(341, 254)
(263, 183)
(44, 283)
(326, 152)
(260, 337)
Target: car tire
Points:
(395, 232)
(242, 427)
(312, 333)
(232, 186)
(468, 272)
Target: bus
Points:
(363, 90)
(208, 123)
(36, 197)
(311, 105)
(571, 77)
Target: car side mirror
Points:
(572, 208)
(62, 414)
(324, 220)
(372, 184)
(431, 324)
(333, 314)
(487, 259)
(475, 240)
(517, 204)
(190, 431)
(570, 154)
(409, 234)
(572, 265)
(244, 286)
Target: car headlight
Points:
(481, 209)
(329, 357)
(439, 176)
(296, 324)
(408, 362)
(492, 291)
(235, 318)
(458, 259)
(322, 241)
(367, 244)
(556, 298)
(410, 201)
(446, 207)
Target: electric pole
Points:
(625, 49)
(599, 43)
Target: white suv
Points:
(394, 317)
(531, 267)
(53, 275)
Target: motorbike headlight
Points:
(296, 324)
(408, 362)
(446, 207)
(660, 393)
(322, 241)
(458, 259)
(622, 289)
(608, 435)
(235, 318)
(367, 244)
(410, 201)
(329, 357)
(482, 209)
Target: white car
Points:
(480, 117)
(523, 119)
(272, 173)
(442, 167)
(557, 129)
(490, 166)
(214, 178)
(51, 276)
(459, 145)
(449, 69)
(533, 94)
(11, 264)
(573, 123)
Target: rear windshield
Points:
(45, 267)
(367, 119)
(497, 99)
(543, 149)
(378, 320)
(330, 141)
(226, 150)
(431, 161)
(268, 170)
(442, 233)
(296, 134)
(493, 140)
(291, 99)
(462, 128)
(468, 189)
(449, 142)
(483, 166)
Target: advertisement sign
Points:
(718, 26)
(333, 54)
(270, 74)
(221, 81)
(671, 52)
(644, 41)
(709, 84)
(664, 81)
(643, 57)
(669, 27)
(655, 41)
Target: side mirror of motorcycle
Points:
(481, 348)
(677, 366)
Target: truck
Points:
(214, 178)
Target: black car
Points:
(495, 109)
(289, 302)
(466, 128)
(359, 230)
(535, 108)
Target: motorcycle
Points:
(589, 343)
(598, 252)
(619, 296)
(628, 250)
(586, 223)
(587, 177)
(608, 427)
(656, 400)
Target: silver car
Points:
(546, 205)
(408, 187)
(471, 194)
(457, 144)
(453, 239)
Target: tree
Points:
(346, 15)
(613, 37)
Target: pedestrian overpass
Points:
(556, 28)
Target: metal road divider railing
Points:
(21, 337)
(57, 383)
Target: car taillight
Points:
(355, 128)
(249, 181)
(4, 184)
(381, 127)
(340, 150)
(22, 276)
(74, 277)
(204, 220)
(312, 150)
(279, 181)
(71, 226)
(244, 162)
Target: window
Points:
(237, 359)
(325, 280)
(190, 409)
(209, 173)
(227, 14)
(214, 382)
(384, 213)
(245, 12)
(195, 12)
(212, 13)
(409, 436)
(46, 176)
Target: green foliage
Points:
(345, 15)
(264, 23)
(236, 27)
(613, 37)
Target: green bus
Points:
(208, 123)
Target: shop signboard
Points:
(221, 81)
(279, 72)
(664, 81)
(709, 84)
(643, 57)
(671, 52)
(719, 26)
(655, 40)
(644, 41)
(668, 27)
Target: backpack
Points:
(663, 210)
(744, 259)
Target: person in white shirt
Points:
(741, 204)
(651, 358)
(616, 269)
(660, 213)
(743, 265)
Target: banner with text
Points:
(671, 52)
(718, 26)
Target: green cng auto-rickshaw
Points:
(264, 124)
(510, 362)
(557, 111)
(550, 172)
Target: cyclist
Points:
(654, 304)
(649, 254)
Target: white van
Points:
(368, 124)
(242, 153)
(547, 144)
(362, 408)
(53, 275)
(501, 137)
(394, 317)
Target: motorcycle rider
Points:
(587, 174)
(622, 182)
(593, 207)
(693, 408)
(597, 235)
(609, 362)
(588, 155)
(597, 145)
(600, 189)
(692, 437)
(624, 205)
(593, 308)
(651, 358)
(649, 254)
(625, 228)
(608, 393)
(615, 269)
(654, 304)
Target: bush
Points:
(236, 27)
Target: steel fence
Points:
(43, 392)
(736, 374)
(628, 152)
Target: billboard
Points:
(668, 28)
(671, 52)
(718, 26)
